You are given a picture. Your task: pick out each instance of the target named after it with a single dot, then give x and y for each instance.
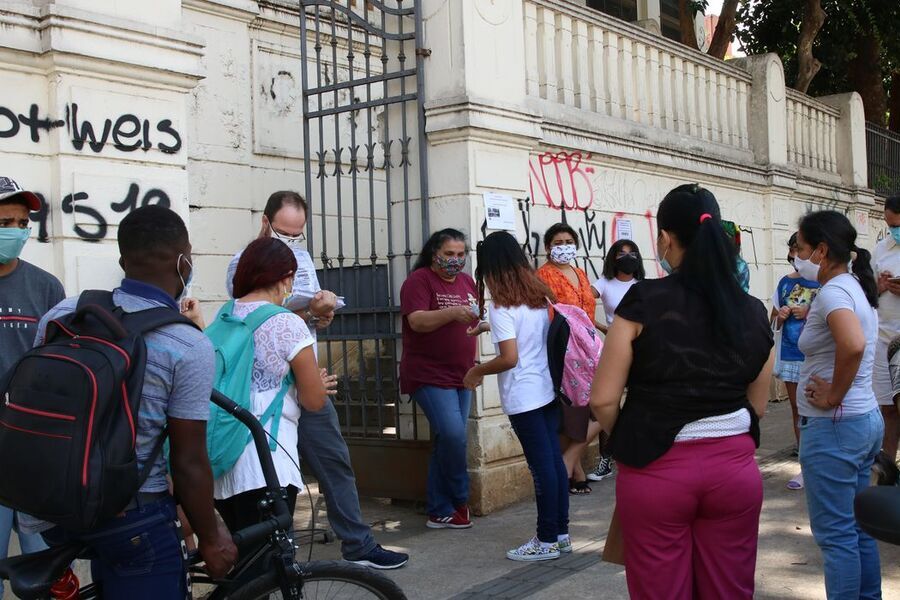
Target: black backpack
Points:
(68, 421)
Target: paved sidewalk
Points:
(471, 564)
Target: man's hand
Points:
(190, 307)
(323, 303)
(329, 381)
(478, 329)
(883, 281)
(893, 288)
(461, 314)
(325, 320)
(220, 554)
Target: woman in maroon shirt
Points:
(439, 307)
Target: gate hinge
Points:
(423, 52)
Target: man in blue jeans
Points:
(322, 446)
(139, 554)
(26, 294)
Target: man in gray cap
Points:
(26, 293)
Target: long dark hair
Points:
(265, 262)
(504, 268)
(434, 243)
(609, 263)
(833, 229)
(691, 213)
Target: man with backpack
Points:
(137, 550)
(322, 447)
(26, 294)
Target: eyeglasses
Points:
(627, 254)
(287, 239)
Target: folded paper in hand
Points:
(301, 300)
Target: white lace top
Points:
(277, 342)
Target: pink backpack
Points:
(573, 349)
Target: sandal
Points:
(579, 488)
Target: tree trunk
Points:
(724, 30)
(807, 64)
(686, 22)
(866, 77)
(894, 101)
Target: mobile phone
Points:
(894, 280)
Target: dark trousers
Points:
(138, 555)
(537, 432)
(242, 510)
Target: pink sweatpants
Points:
(690, 521)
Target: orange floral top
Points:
(566, 293)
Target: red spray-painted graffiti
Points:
(562, 180)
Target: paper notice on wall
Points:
(500, 211)
(624, 229)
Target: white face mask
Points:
(564, 254)
(807, 268)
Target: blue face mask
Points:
(12, 240)
(895, 233)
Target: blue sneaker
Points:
(379, 558)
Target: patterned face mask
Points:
(563, 254)
(451, 267)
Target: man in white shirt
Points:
(322, 447)
(887, 268)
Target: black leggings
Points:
(242, 510)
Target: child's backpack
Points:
(226, 437)
(573, 348)
(68, 418)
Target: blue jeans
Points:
(836, 457)
(323, 448)
(538, 432)
(28, 542)
(138, 555)
(447, 411)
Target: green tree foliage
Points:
(858, 48)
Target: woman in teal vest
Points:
(264, 355)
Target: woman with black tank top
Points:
(695, 352)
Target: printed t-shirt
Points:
(793, 291)
(442, 357)
(26, 295)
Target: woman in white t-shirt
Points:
(841, 428)
(282, 344)
(519, 320)
(622, 268)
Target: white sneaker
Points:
(534, 550)
(603, 470)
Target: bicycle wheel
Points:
(326, 580)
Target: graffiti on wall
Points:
(126, 132)
(78, 204)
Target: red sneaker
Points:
(463, 512)
(454, 521)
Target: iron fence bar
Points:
(360, 105)
(421, 53)
(354, 18)
(358, 82)
(355, 337)
(376, 3)
(307, 163)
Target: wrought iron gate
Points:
(366, 184)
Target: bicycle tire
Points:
(316, 572)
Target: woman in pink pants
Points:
(694, 351)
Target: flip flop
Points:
(579, 488)
(796, 483)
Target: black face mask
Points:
(627, 265)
